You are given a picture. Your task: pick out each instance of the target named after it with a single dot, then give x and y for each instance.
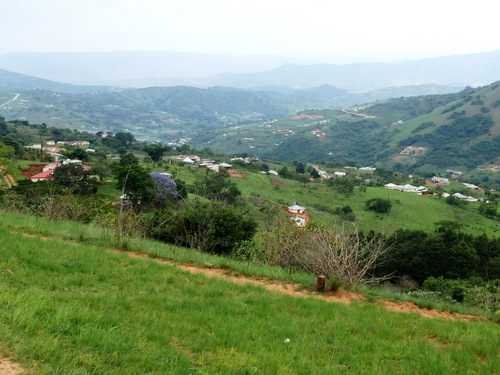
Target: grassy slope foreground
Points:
(74, 308)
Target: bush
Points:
(340, 254)
(208, 226)
(379, 205)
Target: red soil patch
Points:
(235, 173)
(276, 182)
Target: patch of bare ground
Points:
(8, 367)
(410, 307)
(235, 173)
(276, 182)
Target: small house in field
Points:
(225, 165)
(206, 164)
(296, 209)
(298, 214)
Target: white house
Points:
(296, 209)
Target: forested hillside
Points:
(428, 133)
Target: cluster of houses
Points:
(413, 150)
(68, 143)
(441, 181)
(55, 151)
(420, 190)
(338, 174)
(285, 132)
(208, 164)
(248, 160)
(179, 142)
(454, 173)
(472, 186)
(306, 117)
(462, 197)
(48, 170)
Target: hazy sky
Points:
(373, 28)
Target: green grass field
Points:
(408, 211)
(73, 308)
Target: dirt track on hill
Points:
(339, 296)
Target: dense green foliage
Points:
(448, 253)
(379, 205)
(216, 186)
(76, 178)
(208, 226)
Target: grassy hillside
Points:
(347, 135)
(153, 113)
(68, 307)
(408, 211)
(457, 131)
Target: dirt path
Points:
(7, 367)
(358, 114)
(339, 296)
(1, 105)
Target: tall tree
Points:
(133, 180)
(74, 177)
(156, 152)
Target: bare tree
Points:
(340, 253)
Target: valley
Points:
(185, 230)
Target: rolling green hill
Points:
(456, 131)
(168, 113)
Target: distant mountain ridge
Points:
(474, 69)
(17, 81)
(147, 69)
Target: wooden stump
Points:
(321, 283)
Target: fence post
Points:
(320, 286)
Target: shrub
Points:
(208, 226)
(379, 205)
(339, 254)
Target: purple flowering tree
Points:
(165, 188)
